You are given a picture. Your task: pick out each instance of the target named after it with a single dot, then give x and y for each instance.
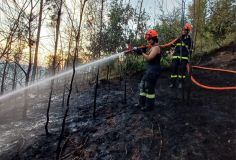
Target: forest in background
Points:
(51, 33)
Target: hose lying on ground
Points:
(211, 87)
(214, 69)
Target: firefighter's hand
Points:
(137, 50)
(144, 49)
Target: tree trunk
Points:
(37, 42)
(4, 74)
(48, 109)
(95, 94)
(125, 78)
(53, 66)
(24, 112)
(30, 44)
(139, 16)
(58, 150)
(63, 94)
(99, 54)
(14, 78)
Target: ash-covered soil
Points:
(203, 129)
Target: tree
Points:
(198, 14)
(14, 23)
(37, 41)
(31, 42)
(220, 26)
(169, 26)
(210, 25)
(82, 6)
(58, 10)
(95, 27)
(113, 34)
(138, 20)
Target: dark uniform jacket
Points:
(183, 47)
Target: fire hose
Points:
(211, 87)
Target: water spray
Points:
(78, 68)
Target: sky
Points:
(152, 7)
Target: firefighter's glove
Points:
(137, 50)
(144, 49)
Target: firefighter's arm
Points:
(155, 51)
(168, 44)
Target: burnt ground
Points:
(204, 129)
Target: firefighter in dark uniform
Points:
(183, 50)
(152, 72)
